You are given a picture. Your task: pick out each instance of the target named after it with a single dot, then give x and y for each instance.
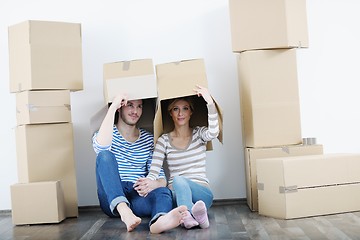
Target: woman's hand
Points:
(204, 92)
(145, 185)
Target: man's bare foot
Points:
(128, 217)
(168, 221)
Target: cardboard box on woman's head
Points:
(179, 79)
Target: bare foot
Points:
(168, 221)
(128, 217)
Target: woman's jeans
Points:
(187, 192)
(112, 191)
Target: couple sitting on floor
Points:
(130, 179)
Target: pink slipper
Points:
(200, 214)
(189, 221)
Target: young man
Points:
(124, 154)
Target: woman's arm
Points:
(157, 159)
(212, 131)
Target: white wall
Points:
(166, 31)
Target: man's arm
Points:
(104, 136)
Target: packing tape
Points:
(309, 141)
(288, 189)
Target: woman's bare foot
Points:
(128, 217)
(168, 221)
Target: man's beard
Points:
(128, 122)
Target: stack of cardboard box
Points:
(45, 61)
(265, 36)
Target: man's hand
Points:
(145, 185)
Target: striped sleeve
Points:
(158, 159)
(97, 147)
(212, 131)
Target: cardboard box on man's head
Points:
(179, 79)
(135, 78)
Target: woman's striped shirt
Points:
(189, 162)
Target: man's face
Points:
(131, 113)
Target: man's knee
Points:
(162, 190)
(105, 156)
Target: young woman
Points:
(184, 149)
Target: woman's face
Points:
(181, 112)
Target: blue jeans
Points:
(187, 192)
(112, 191)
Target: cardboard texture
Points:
(269, 96)
(136, 78)
(45, 152)
(45, 55)
(268, 24)
(36, 203)
(178, 79)
(304, 186)
(35, 107)
(251, 156)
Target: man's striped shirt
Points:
(133, 158)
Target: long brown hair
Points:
(187, 99)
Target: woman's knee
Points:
(179, 181)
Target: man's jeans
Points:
(112, 191)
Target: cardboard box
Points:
(45, 152)
(251, 156)
(269, 96)
(178, 79)
(136, 78)
(35, 203)
(268, 24)
(34, 107)
(45, 55)
(305, 186)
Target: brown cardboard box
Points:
(178, 79)
(34, 107)
(45, 152)
(269, 95)
(45, 55)
(136, 78)
(304, 186)
(38, 202)
(251, 156)
(268, 24)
